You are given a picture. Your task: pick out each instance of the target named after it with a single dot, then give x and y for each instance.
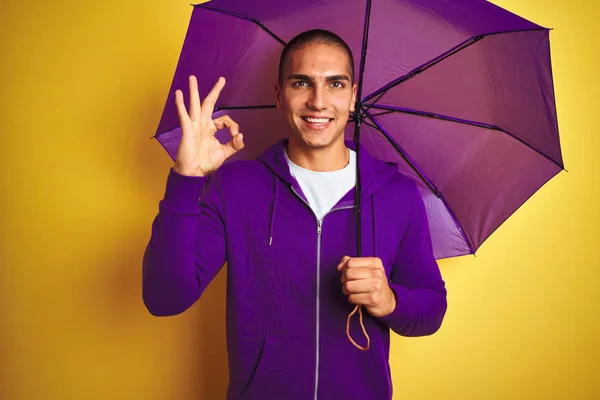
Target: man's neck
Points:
(327, 159)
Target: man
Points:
(285, 223)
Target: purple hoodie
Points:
(286, 313)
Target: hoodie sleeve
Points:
(416, 280)
(187, 246)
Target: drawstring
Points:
(273, 210)
(358, 306)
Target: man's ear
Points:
(278, 101)
(353, 103)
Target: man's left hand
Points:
(365, 283)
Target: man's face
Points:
(316, 95)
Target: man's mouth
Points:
(317, 120)
(317, 123)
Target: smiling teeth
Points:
(317, 120)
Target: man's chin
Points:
(317, 144)
(318, 141)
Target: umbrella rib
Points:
(383, 113)
(423, 67)
(257, 22)
(461, 46)
(430, 184)
(371, 125)
(404, 155)
(426, 114)
(370, 105)
(219, 108)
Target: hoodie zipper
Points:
(319, 231)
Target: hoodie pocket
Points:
(285, 370)
(351, 374)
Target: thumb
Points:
(234, 145)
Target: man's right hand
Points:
(200, 152)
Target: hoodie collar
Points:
(373, 172)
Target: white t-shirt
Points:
(324, 189)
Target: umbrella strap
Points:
(359, 308)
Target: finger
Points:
(342, 263)
(211, 99)
(226, 121)
(359, 273)
(194, 99)
(181, 111)
(365, 299)
(361, 286)
(358, 262)
(234, 145)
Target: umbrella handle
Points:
(359, 308)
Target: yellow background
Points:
(82, 88)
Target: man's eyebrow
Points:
(331, 78)
(301, 77)
(341, 77)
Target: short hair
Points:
(315, 36)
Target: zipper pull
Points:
(319, 226)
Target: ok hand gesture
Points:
(200, 152)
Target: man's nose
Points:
(318, 98)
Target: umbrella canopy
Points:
(459, 94)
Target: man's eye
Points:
(300, 84)
(337, 84)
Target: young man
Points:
(286, 225)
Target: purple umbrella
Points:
(459, 94)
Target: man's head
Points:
(316, 89)
(315, 36)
